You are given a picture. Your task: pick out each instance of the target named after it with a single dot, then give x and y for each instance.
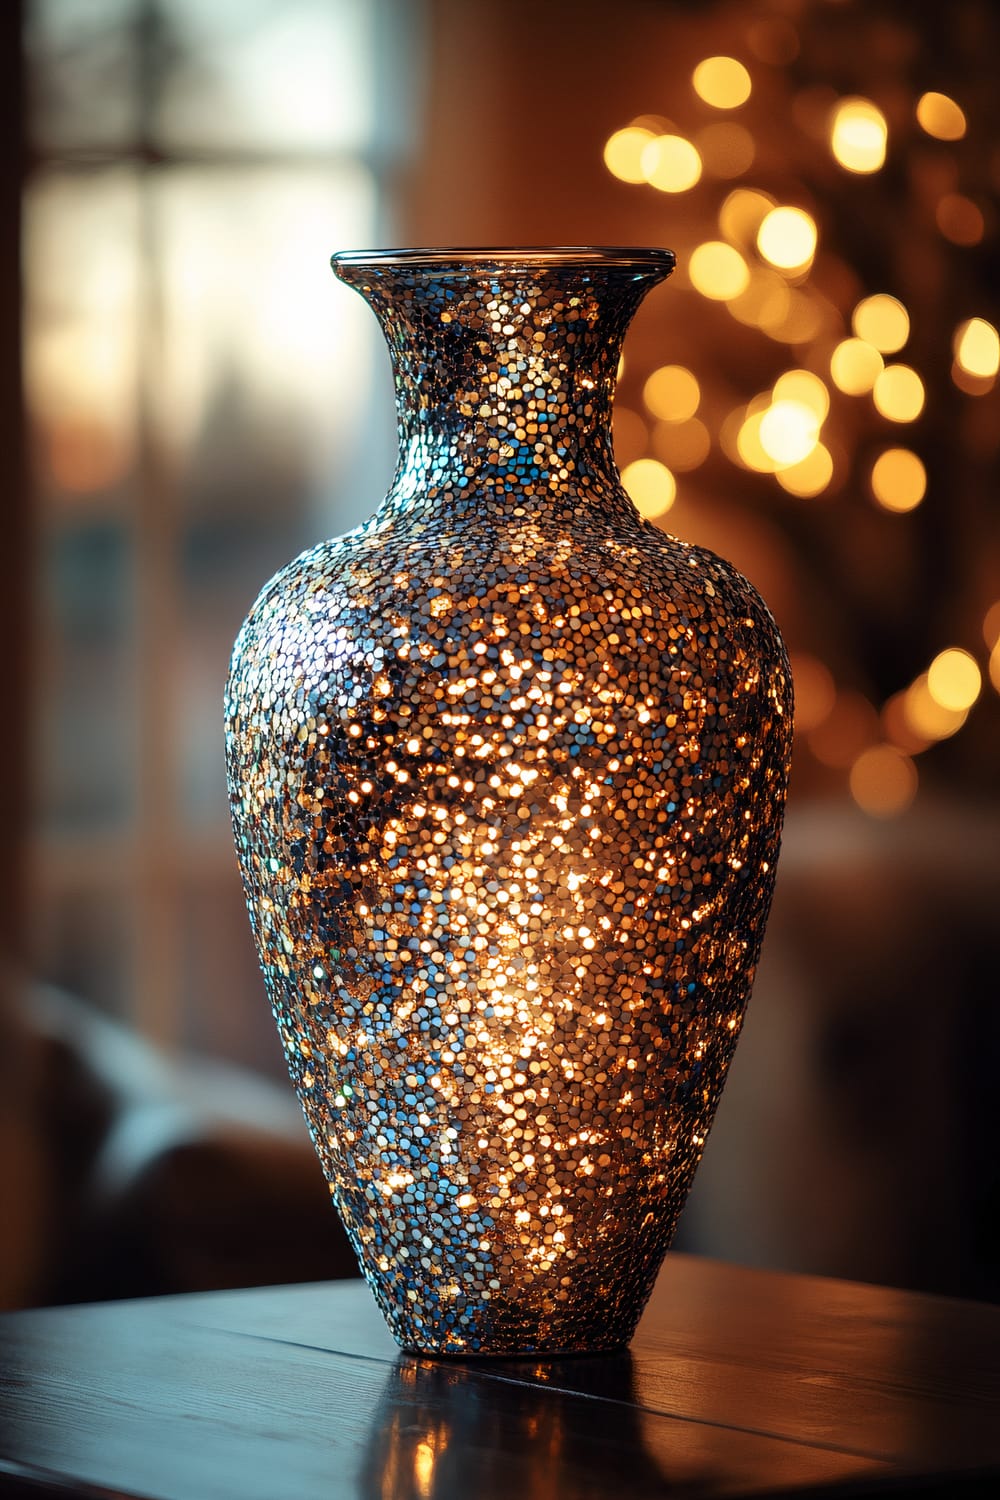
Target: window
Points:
(197, 386)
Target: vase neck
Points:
(505, 364)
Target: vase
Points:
(507, 767)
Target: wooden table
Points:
(738, 1383)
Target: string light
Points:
(954, 680)
(991, 625)
(741, 214)
(810, 476)
(883, 781)
(977, 348)
(898, 393)
(941, 117)
(672, 393)
(726, 150)
(671, 163)
(881, 321)
(682, 446)
(722, 82)
(806, 388)
(788, 431)
(787, 239)
(623, 153)
(718, 271)
(959, 219)
(898, 480)
(815, 693)
(858, 135)
(652, 487)
(855, 366)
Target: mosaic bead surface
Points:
(507, 767)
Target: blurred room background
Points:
(189, 399)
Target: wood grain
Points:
(738, 1383)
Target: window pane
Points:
(295, 74)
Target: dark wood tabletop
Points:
(738, 1383)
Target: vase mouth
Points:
(460, 260)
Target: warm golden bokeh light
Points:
(652, 487)
(749, 448)
(897, 728)
(959, 219)
(787, 239)
(849, 727)
(788, 431)
(977, 348)
(858, 135)
(682, 446)
(718, 271)
(991, 625)
(898, 480)
(940, 117)
(805, 387)
(722, 82)
(815, 693)
(972, 385)
(881, 321)
(883, 781)
(631, 437)
(810, 476)
(995, 666)
(855, 366)
(898, 393)
(726, 150)
(954, 680)
(671, 163)
(764, 302)
(672, 393)
(623, 153)
(741, 214)
(927, 717)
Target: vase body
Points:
(508, 767)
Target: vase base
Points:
(513, 1356)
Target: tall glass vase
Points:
(508, 767)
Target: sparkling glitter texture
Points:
(507, 768)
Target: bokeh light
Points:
(671, 163)
(815, 693)
(722, 82)
(882, 321)
(898, 480)
(883, 781)
(651, 485)
(954, 680)
(898, 393)
(718, 271)
(959, 219)
(672, 393)
(977, 348)
(789, 431)
(682, 445)
(787, 239)
(623, 153)
(726, 150)
(810, 476)
(927, 717)
(858, 135)
(855, 366)
(806, 388)
(991, 625)
(741, 214)
(941, 117)
(850, 727)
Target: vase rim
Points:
(463, 258)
